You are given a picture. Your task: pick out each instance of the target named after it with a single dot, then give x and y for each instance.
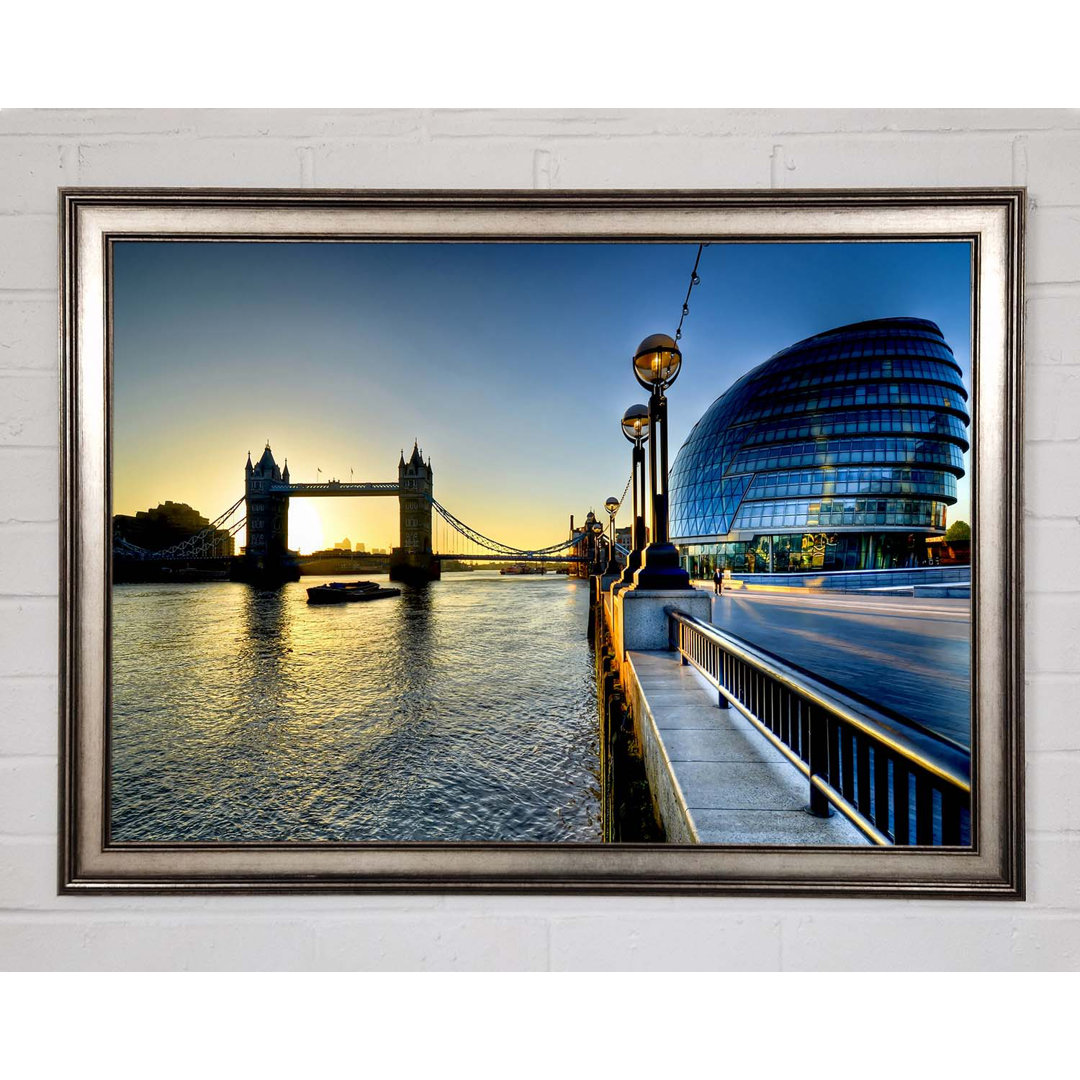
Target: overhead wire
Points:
(694, 280)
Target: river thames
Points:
(464, 710)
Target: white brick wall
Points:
(484, 148)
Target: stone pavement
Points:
(716, 778)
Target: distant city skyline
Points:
(509, 363)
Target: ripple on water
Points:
(464, 710)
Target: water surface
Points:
(461, 710)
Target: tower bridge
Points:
(268, 489)
(267, 558)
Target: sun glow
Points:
(305, 527)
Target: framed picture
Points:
(542, 541)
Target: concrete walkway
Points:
(716, 778)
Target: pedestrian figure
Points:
(718, 581)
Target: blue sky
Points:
(509, 362)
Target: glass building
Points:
(841, 452)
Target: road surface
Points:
(913, 655)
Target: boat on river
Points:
(347, 592)
(521, 568)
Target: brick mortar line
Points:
(822, 907)
(547, 126)
(1005, 135)
(73, 138)
(79, 905)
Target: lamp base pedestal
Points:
(603, 584)
(641, 620)
(661, 569)
(633, 564)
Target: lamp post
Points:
(635, 426)
(656, 366)
(589, 530)
(597, 530)
(611, 505)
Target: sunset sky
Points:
(510, 363)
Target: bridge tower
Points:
(413, 561)
(267, 556)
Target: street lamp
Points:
(635, 426)
(596, 530)
(611, 505)
(656, 366)
(588, 533)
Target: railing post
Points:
(722, 678)
(881, 790)
(950, 818)
(924, 810)
(819, 760)
(674, 633)
(901, 804)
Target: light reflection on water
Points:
(464, 710)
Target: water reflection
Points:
(464, 710)
(264, 677)
(412, 659)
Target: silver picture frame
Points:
(991, 219)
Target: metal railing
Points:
(899, 783)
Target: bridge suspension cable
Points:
(497, 546)
(459, 529)
(199, 545)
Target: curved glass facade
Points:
(841, 452)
